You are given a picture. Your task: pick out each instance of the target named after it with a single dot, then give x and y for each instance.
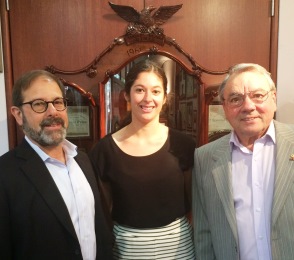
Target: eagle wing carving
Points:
(131, 15)
(163, 13)
(128, 13)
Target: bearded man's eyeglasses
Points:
(40, 105)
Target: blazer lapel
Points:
(223, 180)
(284, 175)
(37, 172)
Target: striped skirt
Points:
(173, 241)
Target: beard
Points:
(46, 137)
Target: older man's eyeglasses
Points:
(257, 97)
(40, 105)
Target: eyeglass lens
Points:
(40, 105)
(257, 97)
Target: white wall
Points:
(285, 82)
(3, 114)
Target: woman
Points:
(144, 170)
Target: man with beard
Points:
(49, 201)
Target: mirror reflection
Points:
(78, 110)
(218, 125)
(82, 116)
(182, 106)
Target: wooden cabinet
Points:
(71, 34)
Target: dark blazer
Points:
(34, 220)
(215, 224)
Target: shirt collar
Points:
(270, 135)
(69, 149)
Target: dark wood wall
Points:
(69, 34)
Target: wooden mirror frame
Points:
(127, 48)
(120, 53)
(183, 100)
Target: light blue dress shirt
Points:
(76, 193)
(253, 186)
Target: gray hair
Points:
(245, 67)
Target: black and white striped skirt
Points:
(173, 241)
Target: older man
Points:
(243, 191)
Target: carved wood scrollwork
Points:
(84, 93)
(145, 37)
(91, 70)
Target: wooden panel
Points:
(219, 34)
(69, 34)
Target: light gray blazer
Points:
(215, 228)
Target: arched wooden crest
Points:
(139, 40)
(142, 37)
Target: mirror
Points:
(82, 114)
(181, 110)
(187, 107)
(218, 126)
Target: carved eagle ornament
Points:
(145, 21)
